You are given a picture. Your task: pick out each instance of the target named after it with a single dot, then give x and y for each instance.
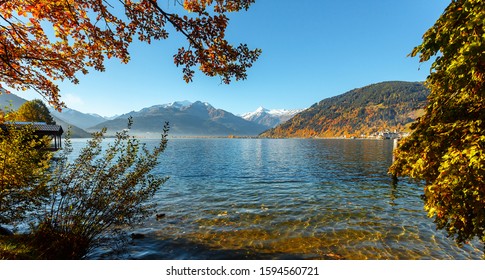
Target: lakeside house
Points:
(42, 129)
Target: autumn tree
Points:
(447, 147)
(34, 111)
(45, 41)
(23, 172)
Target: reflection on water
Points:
(287, 199)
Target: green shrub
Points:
(101, 191)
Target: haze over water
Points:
(287, 199)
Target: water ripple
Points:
(288, 199)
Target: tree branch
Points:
(169, 16)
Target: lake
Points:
(286, 199)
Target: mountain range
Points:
(186, 119)
(77, 118)
(386, 106)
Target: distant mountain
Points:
(270, 118)
(186, 119)
(378, 107)
(77, 118)
(76, 132)
(111, 117)
(16, 102)
(7, 99)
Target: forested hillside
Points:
(379, 107)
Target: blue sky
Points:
(312, 49)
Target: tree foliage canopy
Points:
(447, 148)
(44, 41)
(34, 111)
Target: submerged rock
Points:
(5, 231)
(137, 235)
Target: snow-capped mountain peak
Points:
(270, 118)
(251, 115)
(284, 112)
(261, 109)
(178, 104)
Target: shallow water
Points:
(287, 199)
